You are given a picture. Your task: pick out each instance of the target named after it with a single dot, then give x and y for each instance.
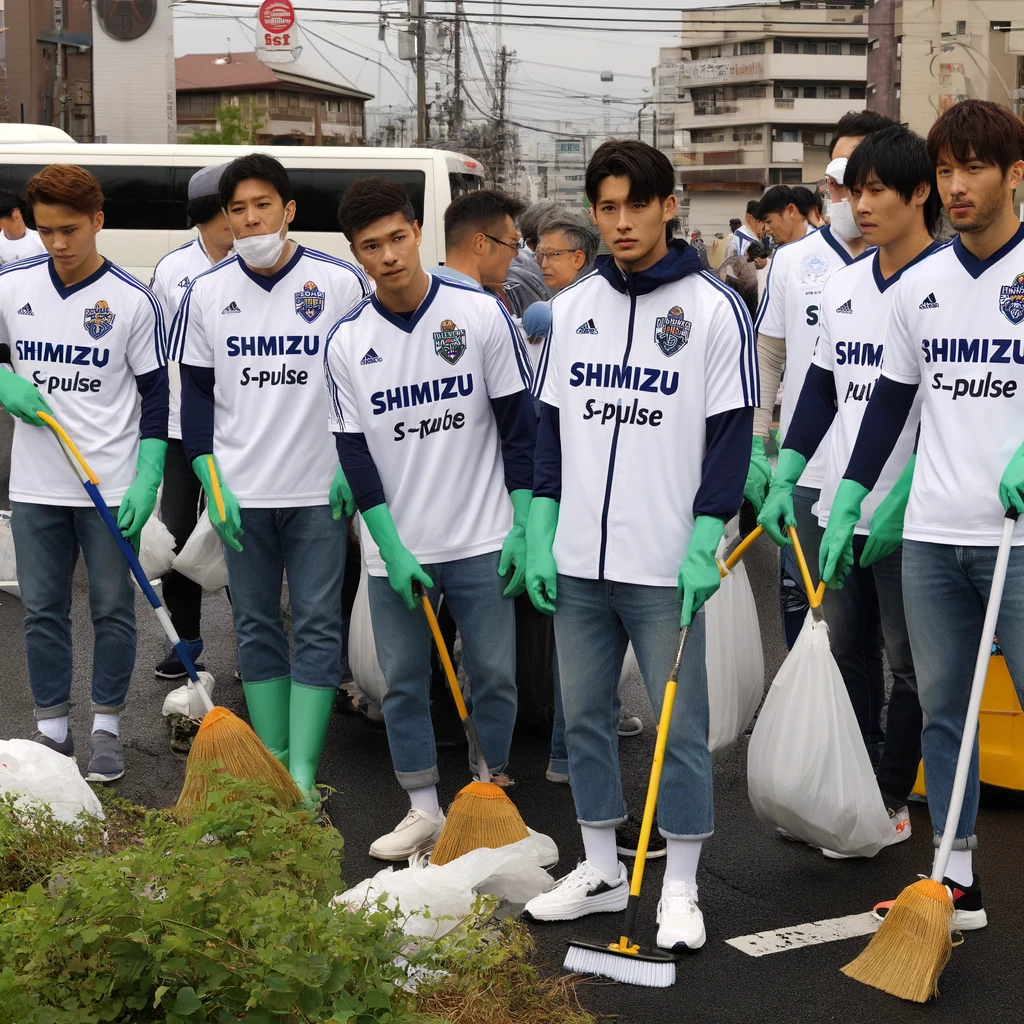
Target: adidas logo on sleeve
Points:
(231, 307)
(588, 328)
(929, 303)
(846, 307)
(370, 358)
(26, 310)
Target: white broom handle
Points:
(963, 761)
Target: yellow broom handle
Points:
(71, 446)
(446, 661)
(741, 549)
(218, 497)
(813, 596)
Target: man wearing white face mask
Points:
(787, 330)
(250, 337)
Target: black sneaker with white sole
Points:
(970, 913)
(66, 747)
(627, 837)
(106, 757)
(581, 892)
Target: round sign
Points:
(126, 19)
(277, 15)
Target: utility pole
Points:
(499, 127)
(455, 115)
(417, 10)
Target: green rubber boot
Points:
(309, 717)
(268, 704)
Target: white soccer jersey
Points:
(854, 304)
(264, 337)
(171, 278)
(743, 240)
(956, 328)
(12, 250)
(790, 309)
(420, 391)
(634, 378)
(82, 347)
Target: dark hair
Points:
(482, 210)
(899, 159)
(806, 200)
(202, 209)
(11, 201)
(776, 199)
(756, 251)
(648, 170)
(858, 124)
(736, 221)
(66, 185)
(258, 166)
(994, 132)
(752, 208)
(371, 199)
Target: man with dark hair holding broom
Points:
(428, 381)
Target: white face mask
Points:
(262, 251)
(842, 221)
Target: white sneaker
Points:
(680, 922)
(583, 891)
(416, 833)
(900, 819)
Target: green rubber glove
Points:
(342, 502)
(1011, 487)
(400, 563)
(541, 571)
(778, 506)
(759, 475)
(230, 527)
(21, 398)
(140, 499)
(835, 556)
(886, 533)
(513, 550)
(699, 575)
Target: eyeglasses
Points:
(542, 255)
(515, 246)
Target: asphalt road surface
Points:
(750, 880)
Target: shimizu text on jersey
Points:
(82, 346)
(791, 308)
(854, 307)
(635, 365)
(420, 390)
(264, 337)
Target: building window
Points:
(786, 92)
(832, 49)
(790, 47)
(810, 92)
(961, 28)
(752, 47)
(833, 92)
(810, 47)
(857, 92)
(710, 51)
(859, 49)
(789, 135)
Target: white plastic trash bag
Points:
(156, 549)
(41, 775)
(8, 565)
(186, 701)
(202, 557)
(807, 767)
(362, 651)
(429, 893)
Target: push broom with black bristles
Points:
(913, 945)
(224, 743)
(481, 815)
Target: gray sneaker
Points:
(67, 748)
(106, 760)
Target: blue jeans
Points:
(945, 590)
(867, 610)
(792, 595)
(47, 540)
(487, 623)
(559, 754)
(595, 621)
(308, 544)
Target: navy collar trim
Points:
(975, 266)
(408, 326)
(826, 232)
(66, 293)
(267, 281)
(883, 282)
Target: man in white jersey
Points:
(86, 341)
(435, 430)
(250, 337)
(954, 334)
(647, 383)
(180, 501)
(891, 181)
(17, 240)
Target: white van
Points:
(146, 190)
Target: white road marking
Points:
(813, 934)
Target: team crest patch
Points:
(672, 331)
(449, 342)
(309, 302)
(99, 320)
(1011, 300)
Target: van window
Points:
(463, 183)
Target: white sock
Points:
(681, 859)
(599, 844)
(960, 867)
(55, 729)
(425, 799)
(108, 723)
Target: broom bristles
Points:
(481, 815)
(912, 947)
(226, 745)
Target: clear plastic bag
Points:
(202, 557)
(156, 549)
(41, 775)
(362, 651)
(807, 767)
(8, 563)
(186, 701)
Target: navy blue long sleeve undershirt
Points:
(884, 418)
(547, 460)
(815, 410)
(155, 403)
(360, 470)
(197, 384)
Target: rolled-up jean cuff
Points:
(494, 769)
(609, 823)
(107, 709)
(674, 835)
(417, 780)
(970, 843)
(559, 765)
(57, 711)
